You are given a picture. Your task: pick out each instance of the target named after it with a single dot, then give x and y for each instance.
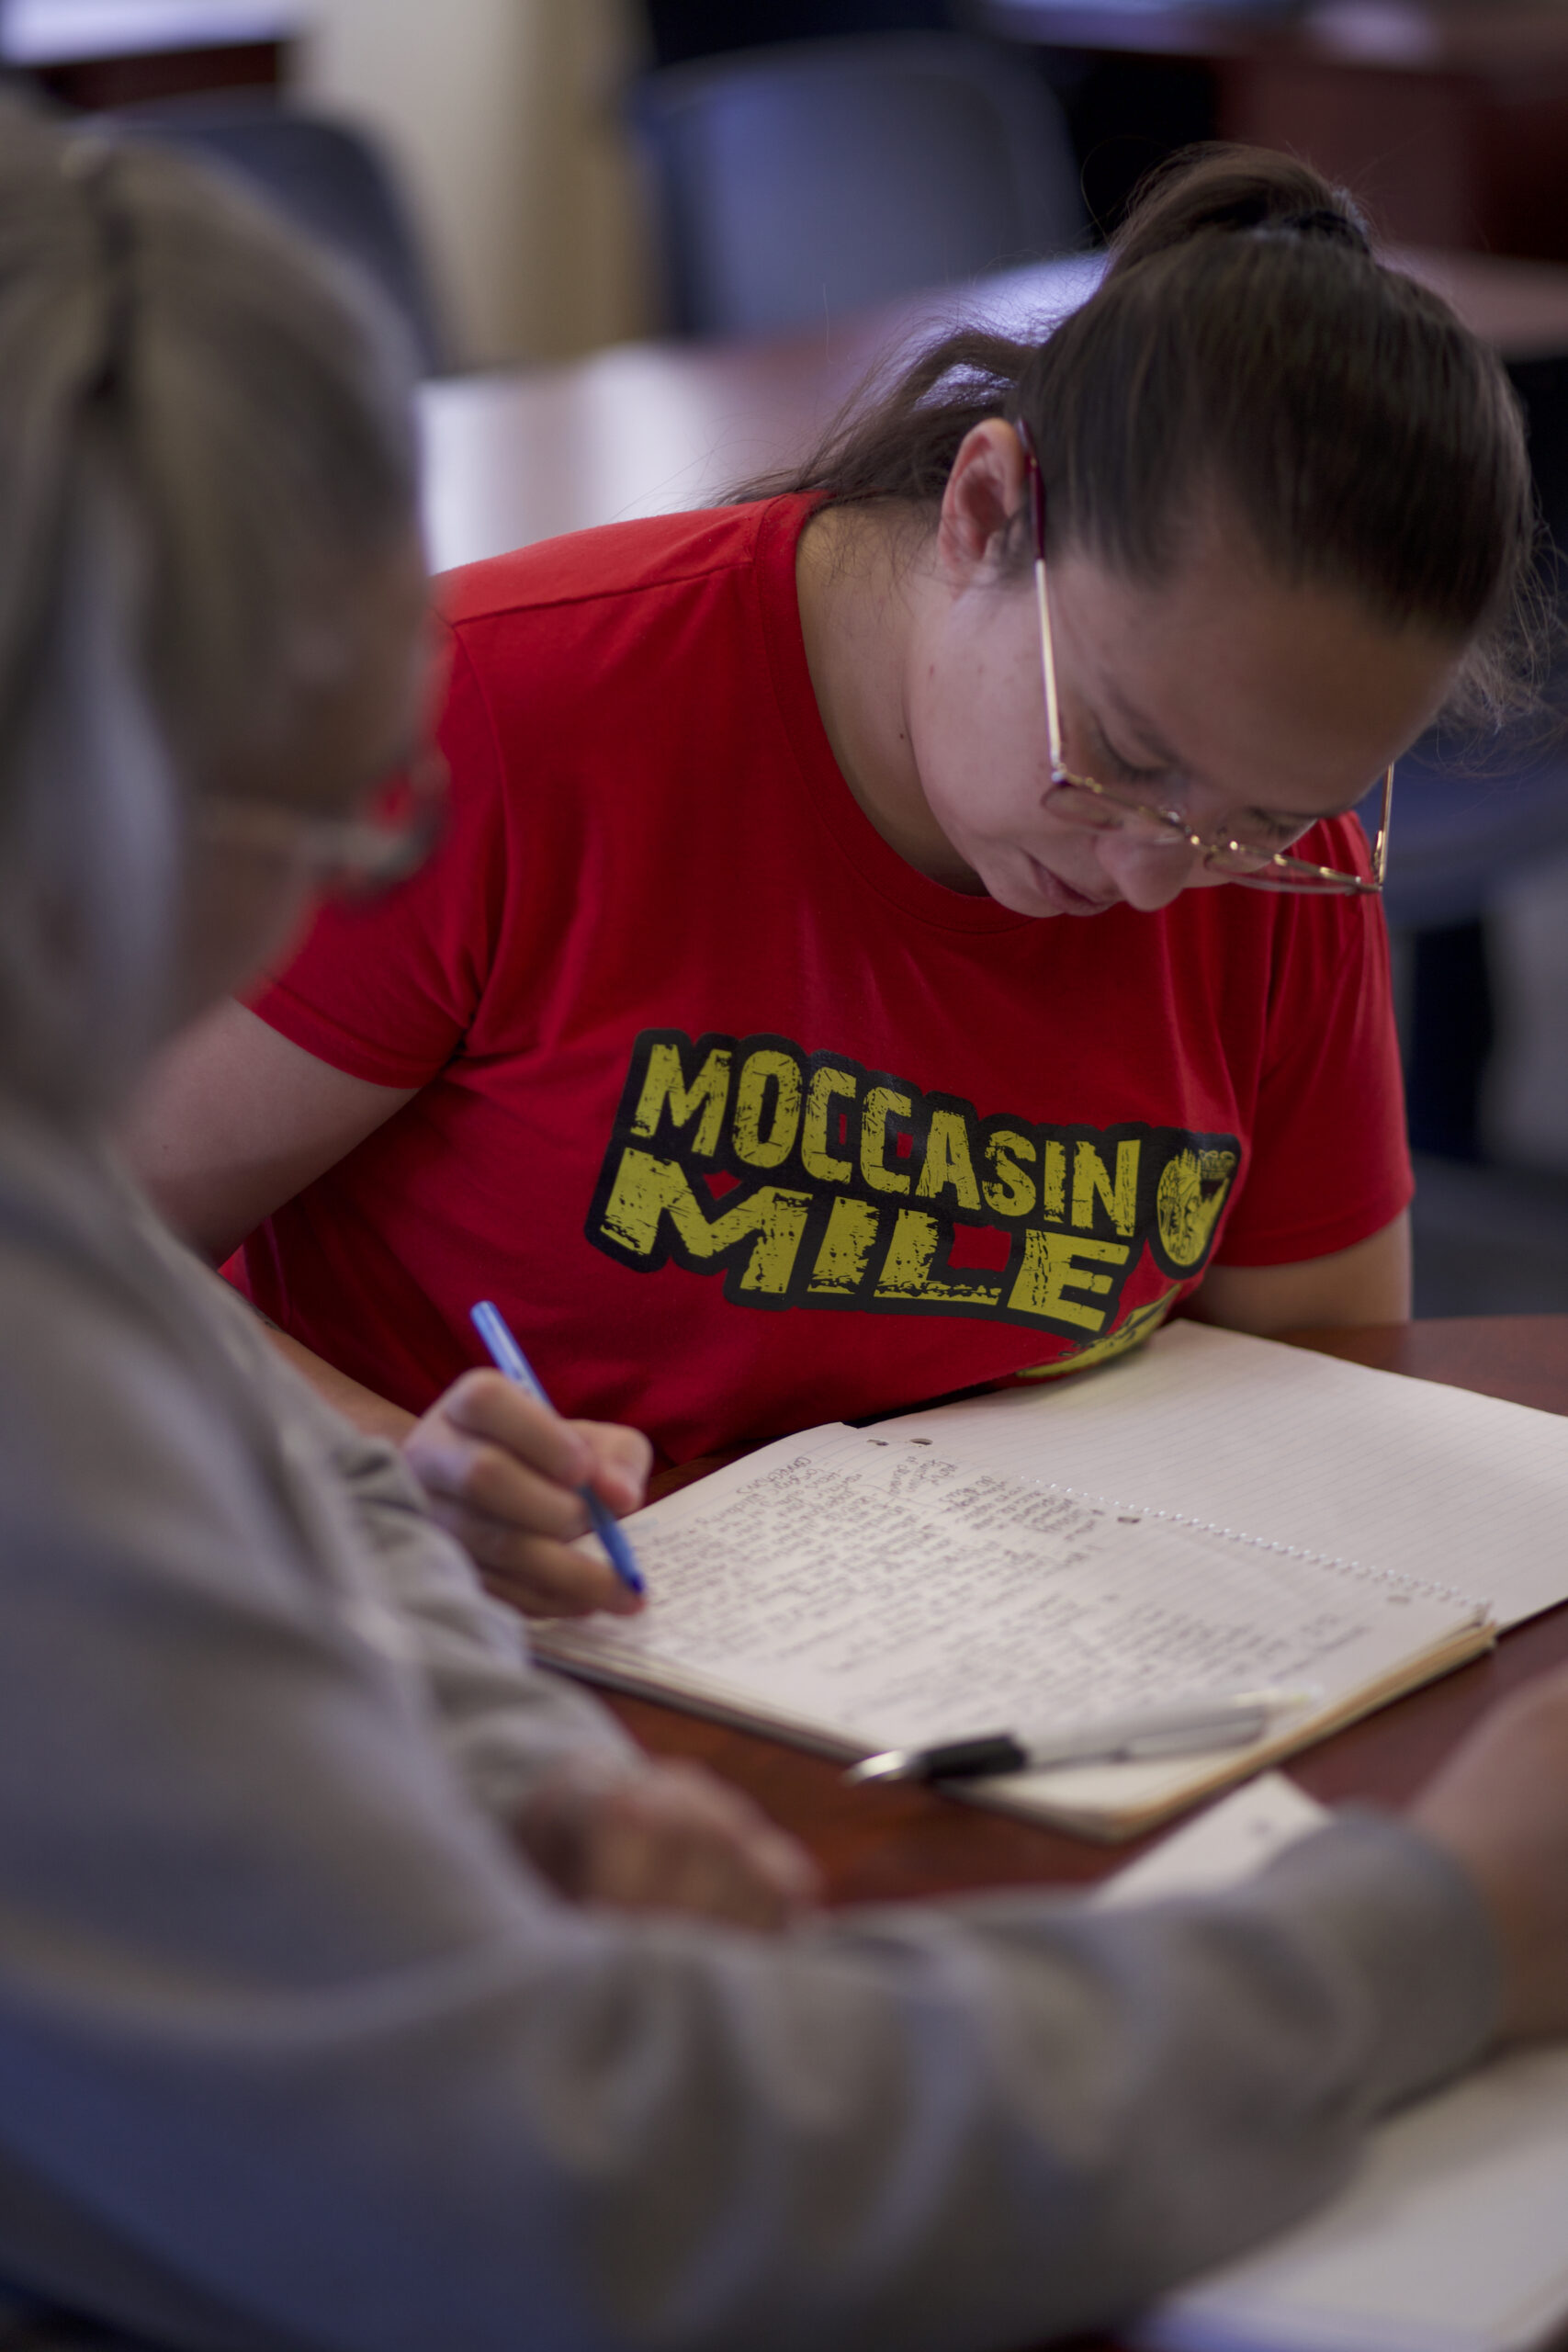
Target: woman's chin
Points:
(1048, 894)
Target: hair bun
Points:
(1237, 190)
(1325, 221)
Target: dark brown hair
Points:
(1245, 342)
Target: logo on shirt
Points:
(805, 1180)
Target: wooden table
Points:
(647, 428)
(1451, 117)
(886, 1845)
(1491, 37)
(877, 1845)
(86, 53)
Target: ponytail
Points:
(1239, 190)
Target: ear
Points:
(984, 492)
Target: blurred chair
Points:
(1458, 842)
(684, 29)
(329, 179)
(818, 177)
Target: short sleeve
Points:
(1330, 1159)
(385, 989)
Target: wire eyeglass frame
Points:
(1103, 810)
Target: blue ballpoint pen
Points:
(508, 1357)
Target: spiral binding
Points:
(1366, 1569)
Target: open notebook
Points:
(1453, 2234)
(1199, 1519)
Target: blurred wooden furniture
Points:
(798, 182)
(1451, 117)
(642, 428)
(86, 54)
(1426, 36)
(328, 176)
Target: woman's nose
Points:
(1148, 875)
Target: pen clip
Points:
(1236, 1730)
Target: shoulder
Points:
(620, 560)
(118, 1416)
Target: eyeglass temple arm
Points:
(1048, 663)
(1035, 490)
(1380, 846)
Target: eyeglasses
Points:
(1079, 800)
(356, 856)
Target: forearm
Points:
(1367, 1283)
(374, 1416)
(943, 2132)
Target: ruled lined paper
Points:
(1429, 1480)
(868, 1590)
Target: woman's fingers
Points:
(533, 1574)
(622, 1459)
(498, 1422)
(485, 1407)
(670, 1837)
(478, 1478)
(508, 1432)
(503, 1474)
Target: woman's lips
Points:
(1065, 900)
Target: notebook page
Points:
(1451, 2238)
(1277, 1441)
(1222, 1846)
(877, 1591)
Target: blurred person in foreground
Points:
(360, 1987)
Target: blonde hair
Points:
(206, 445)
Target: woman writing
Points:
(305, 2042)
(867, 962)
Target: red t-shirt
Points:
(742, 1122)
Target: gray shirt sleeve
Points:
(504, 1725)
(296, 2052)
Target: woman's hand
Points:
(664, 1837)
(501, 1473)
(1500, 1805)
